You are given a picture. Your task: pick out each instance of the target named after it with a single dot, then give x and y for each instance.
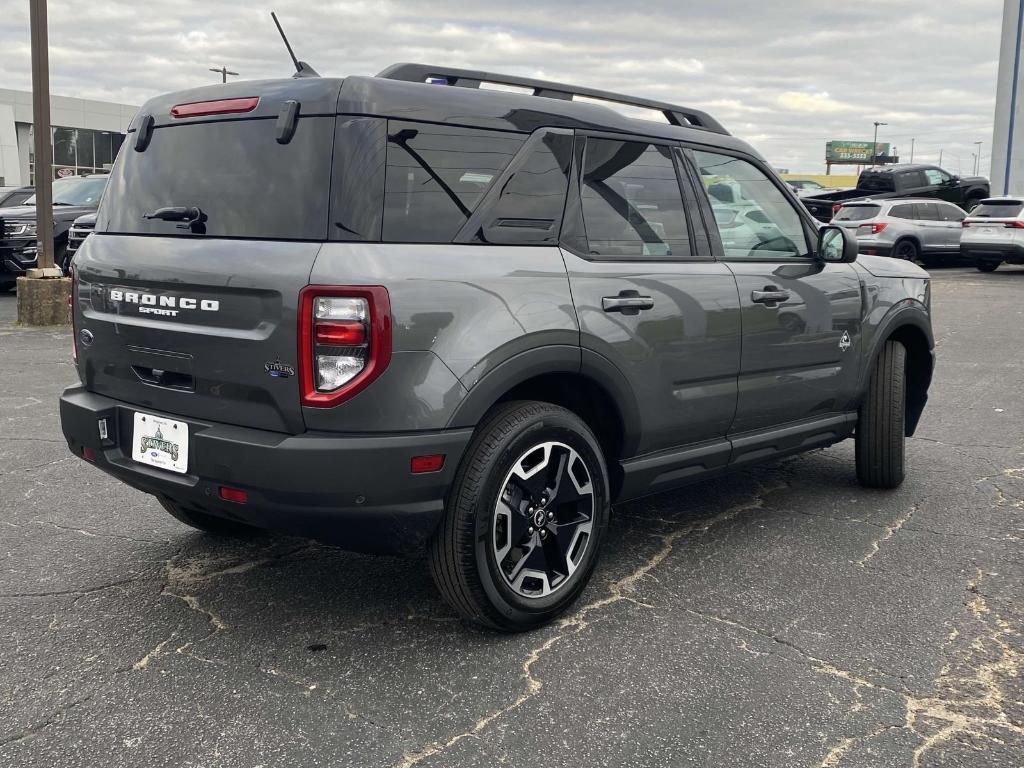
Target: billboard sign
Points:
(855, 151)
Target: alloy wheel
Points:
(543, 519)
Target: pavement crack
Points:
(95, 534)
(618, 591)
(890, 531)
(32, 730)
(81, 592)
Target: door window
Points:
(935, 176)
(631, 201)
(926, 212)
(905, 211)
(755, 219)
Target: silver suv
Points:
(994, 233)
(915, 229)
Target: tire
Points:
(218, 526)
(497, 558)
(61, 258)
(6, 286)
(881, 421)
(987, 266)
(906, 250)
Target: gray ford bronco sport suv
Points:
(405, 312)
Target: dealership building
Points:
(86, 135)
(1008, 137)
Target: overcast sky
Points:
(783, 74)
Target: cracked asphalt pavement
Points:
(779, 617)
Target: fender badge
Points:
(844, 342)
(279, 370)
(85, 336)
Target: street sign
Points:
(855, 152)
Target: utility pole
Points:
(940, 157)
(874, 143)
(223, 72)
(977, 162)
(912, 149)
(44, 292)
(41, 133)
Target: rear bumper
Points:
(1012, 253)
(355, 491)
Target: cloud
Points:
(811, 102)
(788, 75)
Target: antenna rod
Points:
(286, 43)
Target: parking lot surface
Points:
(779, 617)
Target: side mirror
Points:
(836, 246)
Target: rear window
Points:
(857, 212)
(1002, 210)
(876, 182)
(244, 182)
(436, 175)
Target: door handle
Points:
(770, 296)
(627, 302)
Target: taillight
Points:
(71, 310)
(344, 341)
(870, 229)
(1014, 224)
(835, 208)
(965, 224)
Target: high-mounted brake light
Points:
(344, 341)
(217, 107)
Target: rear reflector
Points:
(88, 454)
(422, 464)
(236, 495)
(218, 107)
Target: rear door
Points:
(193, 313)
(801, 317)
(931, 231)
(649, 296)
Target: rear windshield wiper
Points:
(191, 216)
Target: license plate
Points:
(160, 442)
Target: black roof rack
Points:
(469, 78)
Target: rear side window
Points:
(905, 211)
(244, 182)
(857, 212)
(1001, 210)
(436, 175)
(631, 200)
(527, 209)
(950, 212)
(876, 182)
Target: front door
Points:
(801, 317)
(649, 296)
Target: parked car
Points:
(994, 233)
(10, 196)
(806, 187)
(18, 242)
(928, 181)
(405, 312)
(913, 229)
(80, 229)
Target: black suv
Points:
(72, 197)
(404, 312)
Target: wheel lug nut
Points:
(550, 514)
(543, 533)
(531, 509)
(531, 529)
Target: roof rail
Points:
(469, 78)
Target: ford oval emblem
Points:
(85, 336)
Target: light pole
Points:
(41, 134)
(223, 72)
(912, 149)
(874, 143)
(977, 162)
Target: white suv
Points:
(994, 233)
